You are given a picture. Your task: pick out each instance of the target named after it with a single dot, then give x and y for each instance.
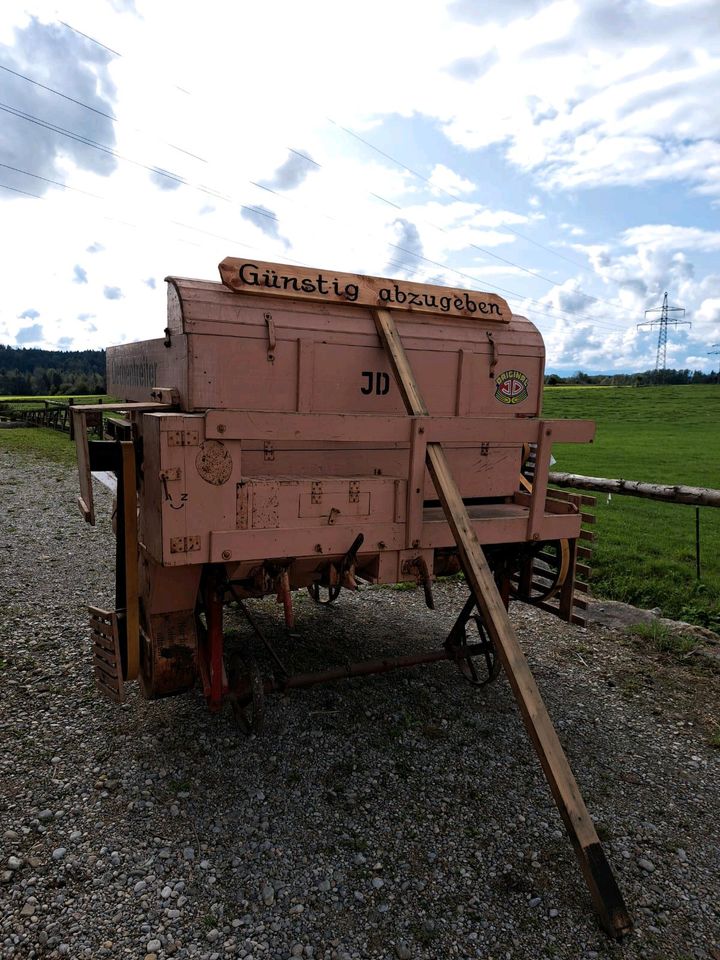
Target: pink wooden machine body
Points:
(302, 429)
(272, 451)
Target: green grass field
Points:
(645, 550)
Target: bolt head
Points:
(221, 428)
(226, 554)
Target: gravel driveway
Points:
(398, 817)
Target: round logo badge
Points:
(511, 387)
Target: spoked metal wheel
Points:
(540, 570)
(466, 661)
(247, 693)
(324, 595)
(464, 649)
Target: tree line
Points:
(649, 378)
(32, 372)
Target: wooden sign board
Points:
(323, 286)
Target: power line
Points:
(87, 106)
(426, 180)
(88, 37)
(448, 193)
(434, 186)
(505, 227)
(415, 173)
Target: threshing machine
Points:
(299, 428)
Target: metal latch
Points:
(270, 336)
(494, 357)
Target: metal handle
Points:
(270, 336)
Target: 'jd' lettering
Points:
(379, 381)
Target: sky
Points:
(565, 155)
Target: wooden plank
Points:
(462, 396)
(309, 283)
(365, 427)
(542, 466)
(595, 867)
(305, 374)
(132, 595)
(82, 450)
(415, 485)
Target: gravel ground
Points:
(398, 817)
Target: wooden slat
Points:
(107, 665)
(132, 595)
(595, 867)
(587, 535)
(588, 517)
(581, 587)
(583, 570)
(584, 553)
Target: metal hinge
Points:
(183, 438)
(354, 492)
(316, 492)
(171, 473)
(184, 544)
(268, 451)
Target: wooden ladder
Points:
(599, 877)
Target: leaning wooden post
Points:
(598, 875)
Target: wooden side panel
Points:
(134, 369)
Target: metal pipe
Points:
(366, 667)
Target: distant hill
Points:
(29, 371)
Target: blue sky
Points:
(565, 154)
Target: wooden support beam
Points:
(598, 875)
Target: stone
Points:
(647, 865)
(403, 950)
(153, 946)
(14, 863)
(59, 853)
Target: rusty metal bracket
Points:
(418, 568)
(494, 356)
(270, 336)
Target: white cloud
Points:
(445, 180)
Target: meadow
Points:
(644, 553)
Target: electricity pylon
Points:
(662, 325)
